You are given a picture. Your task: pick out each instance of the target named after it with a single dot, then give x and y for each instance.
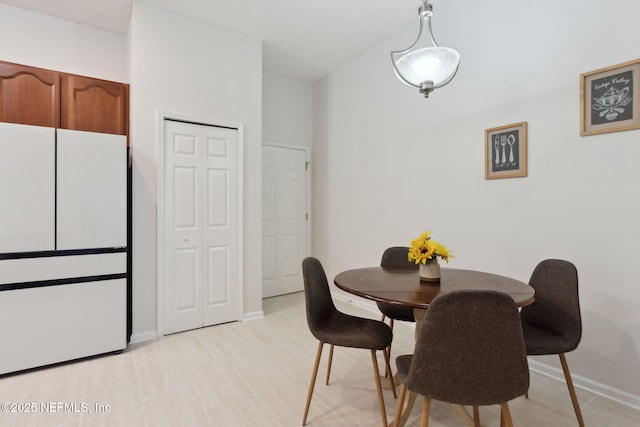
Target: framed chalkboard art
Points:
(610, 99)
(506, 151)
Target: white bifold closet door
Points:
(92, 190)
(27, 188)
(201, 230)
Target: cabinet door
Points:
(91, 197)
(29, 95)
(27, 188)
(94, 105)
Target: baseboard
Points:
(588, 384)
(144, 336)
(253, 315)
(367, 305)
(152, 335)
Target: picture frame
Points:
(506, 151)
(610, 99)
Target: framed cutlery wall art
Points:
(506, 151)
(610, 99)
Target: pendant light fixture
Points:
(426, 68)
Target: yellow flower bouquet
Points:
(424, 249)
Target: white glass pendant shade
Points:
(435, 64)
(427, 68)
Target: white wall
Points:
(185, 66)
(286, 110)
(173, 64)
(390, 164)
(42, 41)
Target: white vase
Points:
(430, 272)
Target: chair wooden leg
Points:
(329, 364)
(313, 382)
(376, 375)
(505, 415)
(407, 407)
(396, 419)
(425, 411)
(476, 416)
(388, 368)
(387, 372)
(462, 413)
(572, 391)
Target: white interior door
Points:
(201, 285)
(284, 219)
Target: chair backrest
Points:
(397, 256)
(470, 350)
(319, 304)
(557, 307)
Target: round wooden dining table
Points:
(402, 286)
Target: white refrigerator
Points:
(63, 238)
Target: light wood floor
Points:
(256, 373)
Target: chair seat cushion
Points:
(350, 331)
(396, 312)
(403, 363)
(541, 340)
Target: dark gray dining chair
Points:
(333, 327)
(396, 256)
(552, 324)
(469, 351)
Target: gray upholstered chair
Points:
(396, 256)
(552, 324)
(470, 351)
(333, 327)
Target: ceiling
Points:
(302, 39)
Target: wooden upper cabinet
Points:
(29, 95)
(94, 105)
(35, 96)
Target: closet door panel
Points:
(27, 188)
(91, 190)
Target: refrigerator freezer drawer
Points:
(46, 325)
(61, 267)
